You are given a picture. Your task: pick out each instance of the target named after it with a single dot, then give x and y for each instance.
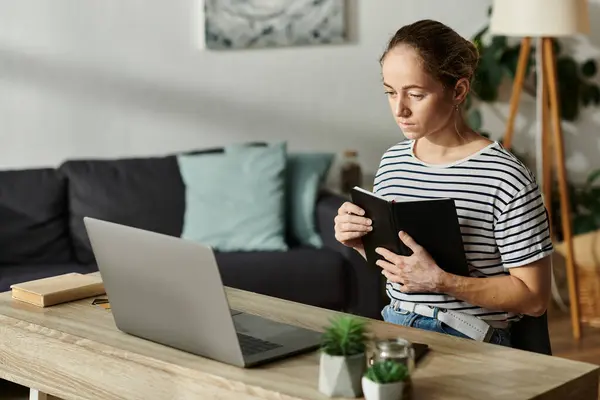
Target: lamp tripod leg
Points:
(516, 90)
(565, 206)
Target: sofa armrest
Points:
(366, 293)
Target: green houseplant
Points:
(343, 357)
(585, 206)
(384, 380)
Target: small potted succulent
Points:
(385, 380)
(343, 357)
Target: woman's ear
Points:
(461, 90)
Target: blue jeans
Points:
(406, 318)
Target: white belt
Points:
(470, 325)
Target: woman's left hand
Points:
(417, 273)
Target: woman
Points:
(427, 71)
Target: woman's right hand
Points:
(351, 225)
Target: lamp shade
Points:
(550, 18)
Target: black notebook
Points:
(433, 224)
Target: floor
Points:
(563, 345)
(587, 350)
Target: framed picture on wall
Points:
(245, 24)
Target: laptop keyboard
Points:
(251, 345)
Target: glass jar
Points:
(351, 171)
(397, 349)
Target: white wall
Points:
(110, 78)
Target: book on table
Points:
(432, 223)
(58, 289)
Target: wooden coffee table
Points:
(74, 351)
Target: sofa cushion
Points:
(11, 274)
(302, 274)
(34, 217)
(236, 202)
(306, 173)
(145, 193)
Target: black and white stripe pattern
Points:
(502, 217)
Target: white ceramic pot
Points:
(340, 376)
(379, 391)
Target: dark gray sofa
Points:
(42, 232)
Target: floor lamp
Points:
(545, 19)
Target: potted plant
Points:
(585, 206)
(343, 357)
(385, 380)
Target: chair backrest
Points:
(531, 334)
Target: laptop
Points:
(169, 290)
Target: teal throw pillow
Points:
(236, 202)
(306, 173)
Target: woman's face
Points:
(419, 103)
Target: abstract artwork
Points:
(243, 24)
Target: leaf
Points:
(590, 93)
(479, 35)
(576, 197)
(569, 87)
(510, 59)
(556, 46)
(474, 120)
(583, 224)
(478, 45)
(484, 87)
(592, 177)
(490, 71)
(387, 371)
(587, 95)
(499, 41)
(498, 44)
(595, 90)
(566, 68)
(596, 212)
(588, 69)
(596, 221)
(569, 111)
(594, 197)
(495, 71)
(345, 336)
(595, 209)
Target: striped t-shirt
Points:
(502, 217)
